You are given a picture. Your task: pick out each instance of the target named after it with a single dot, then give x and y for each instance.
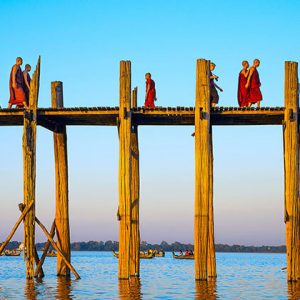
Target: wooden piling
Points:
(125, 169)
(61, 184)
(29, 160)
(211, 254)
(291, 170)
(135, 197)
(202, 169)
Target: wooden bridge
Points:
(127, 117)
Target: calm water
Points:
(240, 276)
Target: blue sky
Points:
(81, 44)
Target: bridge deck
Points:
(141, 116)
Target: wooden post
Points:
(211, 255)
(291, 170)
(61, 184)
(135, 197)
(125, 170)
(29, 161)
(202, 169)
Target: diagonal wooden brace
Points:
(56, 248)
(24, 213)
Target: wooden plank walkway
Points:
(108, 116)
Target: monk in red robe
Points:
(16, 86)
(243, 92)
(150, 92)
(253, 83)
(27, 80)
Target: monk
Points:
(253, 83)
(27, 80)
(214, 96)
(243, 92)
(150, 92)
(16, 86)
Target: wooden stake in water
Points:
(29, 159)
(61, 184)
(135, 198)
(202, 168)
(291, 170)
(125, 170)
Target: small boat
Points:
(143, 255)
(183, 256)
(12, 253)
(159, 253)
(51, 254)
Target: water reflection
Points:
(64, 288)
(38, 287)
(130, 289)
(206, 289)
(30, 291)
(294, 290)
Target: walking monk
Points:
(214, 96)
(150, 91)
(253, 83)
(27, 81)
(243, 92)
(16, 85)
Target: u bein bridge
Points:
(127, 117)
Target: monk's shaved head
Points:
(27, 66)
(256, 62)
(245, 63)
(212, 66)
(19, 61)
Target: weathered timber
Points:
(211, 254)
(37, 261)
(54, 245)
(29, 158)
(291, 170)
(202, 161)
(24, 213)
(135, 197)
(125, 170)
(61, 183)
(46, 248)
(50, 118)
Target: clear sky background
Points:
(81, 44)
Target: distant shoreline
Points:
(176, 246)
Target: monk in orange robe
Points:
(243, 92)
(150, 92)
(253, 83)
(27, 80)
(16, 86)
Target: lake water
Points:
(240, 276)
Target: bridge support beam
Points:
(61, 184)
(135, 197)
(291, 170)
(125, 166)
(204, 251)
(29, 166)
